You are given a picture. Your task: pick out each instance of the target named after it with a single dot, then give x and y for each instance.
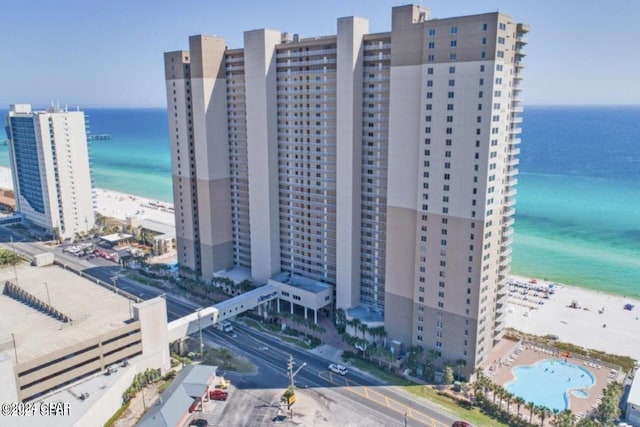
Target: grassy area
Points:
(296, 341)
(162, 387)
(117, 415)
(224, 359)
(8, 257)
(379, 372)
(474, 416)
(144, 280)
(275, 331)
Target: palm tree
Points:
(531, 407)
(363, 328)
(555, 412)
(544, 412)
(340, 318)
(355, 322)
(494, 388)
(499, 390)
(486, 383)
(519, 402)
(565, 419)
(460, 363)
(509, 398)
(383, 335)
(477, 385)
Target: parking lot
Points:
(261, 407)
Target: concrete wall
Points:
(152, 315)
(348, 158)
(262, 151)
(211, 146)
(180, 127)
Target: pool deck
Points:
(504, 357)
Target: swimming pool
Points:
(547, 382)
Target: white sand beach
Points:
(582, 326)
(115, 204)
(121, 205)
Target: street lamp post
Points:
(114, 279)
(15, 349)
(48, 296)
(15, 269)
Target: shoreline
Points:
(582, 326)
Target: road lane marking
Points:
(381, 399)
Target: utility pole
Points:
(290, 370)
(292, 374)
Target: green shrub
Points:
(117, 415)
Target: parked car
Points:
(199, 423)
(218, 395)
(461, 424)
(338, 369)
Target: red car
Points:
(461, 424)
(218, 395)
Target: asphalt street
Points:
(269, 354)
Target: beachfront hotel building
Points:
(382, 165)
(50, 169)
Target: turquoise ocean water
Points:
(578, 203)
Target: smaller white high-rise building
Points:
(50, 168)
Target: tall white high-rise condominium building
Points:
(380, 164)
(50, 168)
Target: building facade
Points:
(50, 168)
(382, 164)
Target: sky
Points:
(110, 53)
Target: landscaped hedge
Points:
(624, 362)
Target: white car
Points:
(338, 369)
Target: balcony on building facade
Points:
(368, 79)
(512, 161)
(507, 231)
(288, 73)
(234, 59)
(315, 52)
(377, 46)
(284, 65)
(508, 211)
(505, 259)
(515, 130)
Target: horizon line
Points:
(164, 107)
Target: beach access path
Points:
(578, 326)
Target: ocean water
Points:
(578, 203)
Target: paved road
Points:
(269, 354)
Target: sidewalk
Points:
(139, 404)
